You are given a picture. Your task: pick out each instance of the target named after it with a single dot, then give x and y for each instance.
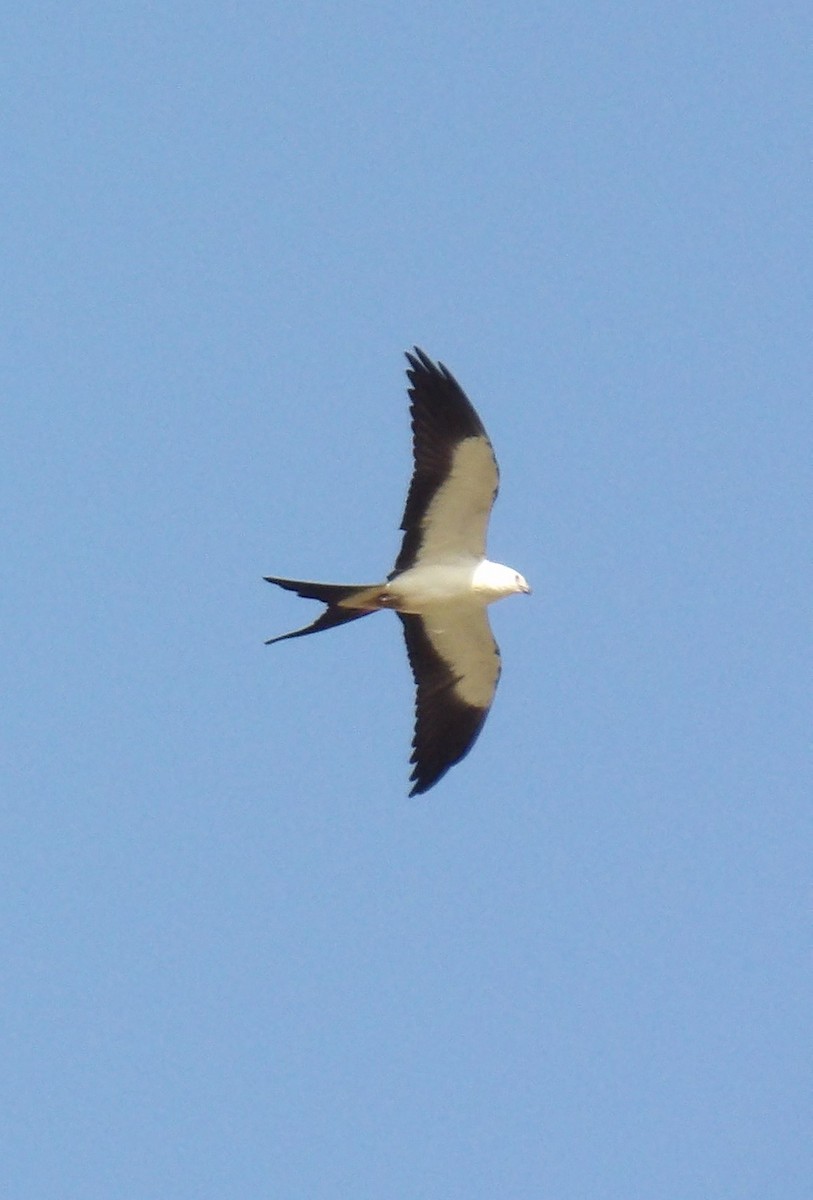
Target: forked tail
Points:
(339, 600)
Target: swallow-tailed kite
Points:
(442, 581)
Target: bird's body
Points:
(442, 581)
(429, 585)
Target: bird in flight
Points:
(442, 581)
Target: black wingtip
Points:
(423, 779)
(421, 789)
(419, 358)
(420, 361)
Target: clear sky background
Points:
(237, 961)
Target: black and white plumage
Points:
(442, 582)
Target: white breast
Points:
(424, 587)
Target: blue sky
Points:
(237, 961)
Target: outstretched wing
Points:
(455, 480)
(456, 665)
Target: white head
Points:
(493, 581)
